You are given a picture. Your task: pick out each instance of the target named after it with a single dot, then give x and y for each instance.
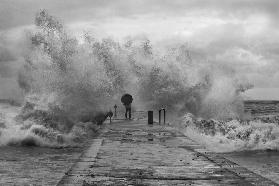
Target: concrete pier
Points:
(134, 153)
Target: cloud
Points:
(8, 63)
(15, 13)
(242, 34)
(11, 45)
(6, 55)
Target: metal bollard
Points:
(150, 117)
(159, 116)
(160, 111)
(115, 107)
(164, 116)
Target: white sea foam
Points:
(232, 135)
(67, 80)
(17, 132)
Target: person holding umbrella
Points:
(127, 100)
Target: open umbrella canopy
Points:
(126, 99)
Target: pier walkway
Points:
(134, 153)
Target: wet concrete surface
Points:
(265, 163)
(134, 153)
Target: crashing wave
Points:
(66, 80)
(35, 125)
(232, 135)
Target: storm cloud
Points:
(238, 33)
(17, 13)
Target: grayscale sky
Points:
(243, 33)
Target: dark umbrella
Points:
(126, 99)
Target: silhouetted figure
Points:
(127, 100)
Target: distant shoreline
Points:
(262, 101)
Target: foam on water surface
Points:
(15, 131)
(232, 135)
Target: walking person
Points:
(127, 100)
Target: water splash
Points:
(67, 79)
(16, 130)
(231, 135)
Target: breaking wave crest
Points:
(22, 126)
(232, 135)
(71, 83)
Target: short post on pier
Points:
(160, 113)
(150, 117)
(164, 116)
(159, 116)
(115, 107)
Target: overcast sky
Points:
(243, 33)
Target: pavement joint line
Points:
(148, 178)
(90, 142)
(95, 146)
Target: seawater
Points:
(35, 165)
(262, 162)
(252, 142)
(31, 165)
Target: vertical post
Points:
(164, 116)
(150, 117)
(159, 116)
(115, 107)
(110, 114)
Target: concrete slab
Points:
(133, 153)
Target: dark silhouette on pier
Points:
(127, 100)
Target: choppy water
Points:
(35, 165)
(262, 107)
(252, 143)
(31, 165)
(262, 162)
